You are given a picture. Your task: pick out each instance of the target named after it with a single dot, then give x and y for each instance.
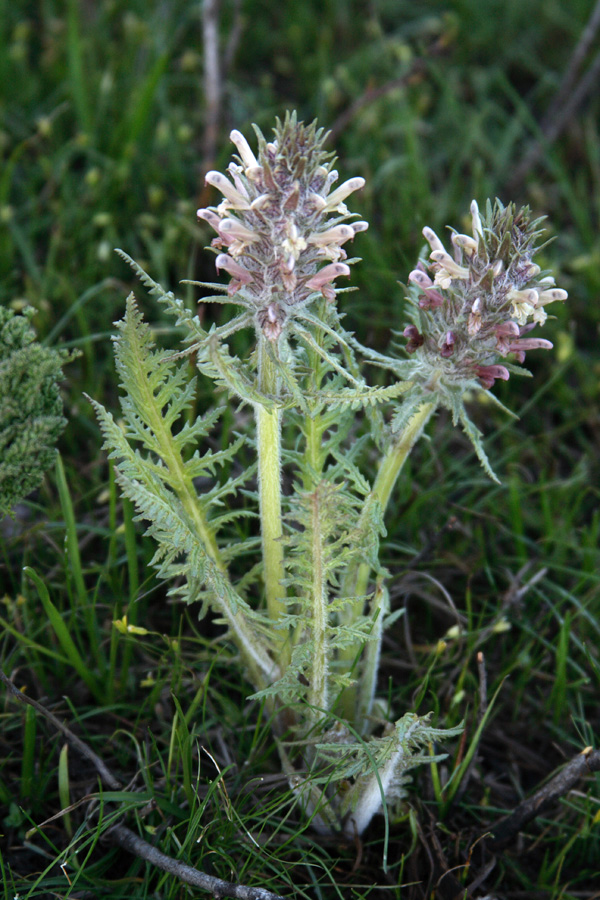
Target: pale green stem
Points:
(390, 467)
(356, 580)
(268, 430)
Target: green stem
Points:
(356, 580)
(268, 428)
(389, 469)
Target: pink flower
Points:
(323, 280)
(239, 274)
(488, 374)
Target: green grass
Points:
(101, 136)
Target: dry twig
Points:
(106, 776)
(567, 101)
(212, 81)
(584, 763)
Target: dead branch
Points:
(416, 69)
(131, 842)
(235, 35)
(584, 763)
(106, 776)
(567, 100)
(212, 81)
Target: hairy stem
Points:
(356, 579)
(268, 427)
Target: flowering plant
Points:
(305, 599)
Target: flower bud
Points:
(223, 261)
(236, 200)
(326, 275)
(248, 158)
(210, 217)
(551, 296)
(420, 278)
(466, 243)
(339, 195)
(432, 239)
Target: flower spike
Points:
(280, 226)
(483, 299)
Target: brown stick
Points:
(127, 839)
(567, 100)
(212, 80)
(585, 42)
(234, 38)
(131, 842)
(102, 769)
(584, 763)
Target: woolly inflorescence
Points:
(479, 303)
(281, 228)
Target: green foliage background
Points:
(103, 142)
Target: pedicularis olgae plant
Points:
(303, 597)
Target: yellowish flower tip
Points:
(501, 626)
(125, 628)
(476, 219)
(247, 156)
(440, 647)
(148, 682)
(121, 625)
(453, 633)
(335, 200)
(432, 239)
